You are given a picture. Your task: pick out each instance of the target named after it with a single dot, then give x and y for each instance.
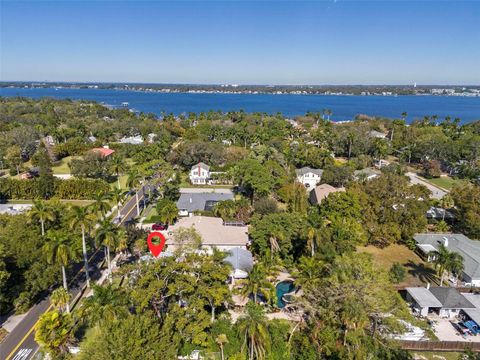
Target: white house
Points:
(309, 177)
(199, 174)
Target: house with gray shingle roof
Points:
(446, 301)
(190, 202)
(309, 177)
(469, 250)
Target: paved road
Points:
(437, 193)
(20, 343)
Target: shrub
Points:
(397, 273)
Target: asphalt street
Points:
(20, 343)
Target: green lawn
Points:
(418, 271)
(61, 166)
(445, 182)
(151, 213)
(437, 355)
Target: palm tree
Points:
(221, 340)
(309, 271)
(60, 298)
(350, 138)
(133, 181)
(253, 326)
(312, 239)
(446, 203)
(58, 250)
(117, 166)
(167, 211)
(107, 236)
(41, 211)
(82, 218)
(100, 204)
(455, 264)
(257, 283)
(116, 196)
(225, 209)
(106, 304)
(54, 332)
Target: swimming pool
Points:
(283, 288)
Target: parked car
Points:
(159, 226)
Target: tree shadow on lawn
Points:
(422, 272)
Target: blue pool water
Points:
(343, 107)
(283, 288)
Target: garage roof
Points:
(423, 297)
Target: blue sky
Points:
(244, 42)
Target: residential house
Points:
(213, 232)
(366, 174)
(438, 213)
(103, 151)
(132, 140)
(377, 134)
(469, 250)
(320, 192)
(447, 302)
(309, 177)
(192, 201)
(241, 261)
(199, 174)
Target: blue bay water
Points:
(343, 107)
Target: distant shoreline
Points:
(340, 90)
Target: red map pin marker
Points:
(156, 249)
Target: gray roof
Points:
(473, 314)
(201, 201)
(459, 243)
(306, 170)
(437, 213)
(240, 259)
(367, 171)
(451, 298)
(423, 297)
(202, 165)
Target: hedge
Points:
(71, 189)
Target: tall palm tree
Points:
(253, 326)
(60, 298)
(312, 240)
(107, 236)
(116, 196)
(58, 250)
(257, 283)
(455, 264)
(221, 340)
(41, 211)
(442, 258)
(106, 304)
(100, 203)
(81, 217)
(133, 181)
(117, 166)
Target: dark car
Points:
(159, 226)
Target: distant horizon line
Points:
(230, 84)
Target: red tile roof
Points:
(103, 151)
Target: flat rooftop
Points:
(212, 230)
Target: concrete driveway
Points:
(437, 193)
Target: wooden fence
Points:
(439, 345)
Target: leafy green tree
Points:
(43, 212)
(253, 327)
(295, 195)
(45, 180)
(466, 198)
(14, 158)
(100, 203)
(135, 335)
(336, 175)
(254, 177)
(105, 305)
(54, 332)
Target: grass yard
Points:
(61, 166)
(445, 182)
(72, 202)
(418, 271)
(151, 216)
